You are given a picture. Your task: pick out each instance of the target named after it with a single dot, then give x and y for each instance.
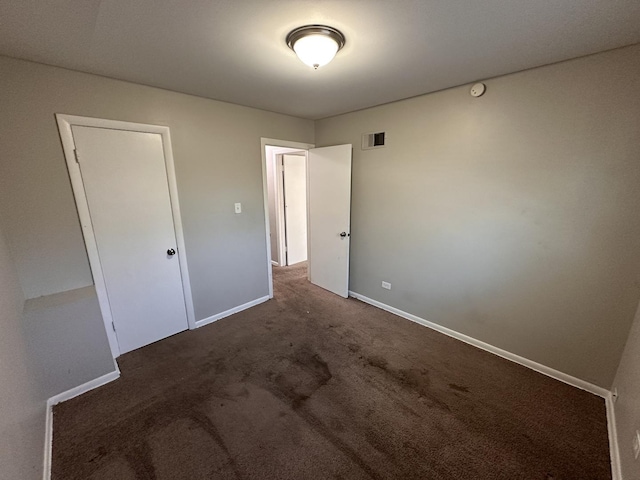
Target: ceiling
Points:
(235, 51)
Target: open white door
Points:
(295, 207)
(329, 217)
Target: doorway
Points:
(124, 185)
(294, 172)
(287, 197)
(328, 211)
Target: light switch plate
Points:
(238, 207)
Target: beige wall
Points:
(627, 407)
(60, 342)
(217, 157)
(66, 340)
(513, 217)
(22, 421)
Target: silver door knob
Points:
(171, 252)
(343, 234)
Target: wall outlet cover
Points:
(386, 285)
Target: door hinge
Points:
(113, 325)
(75, 153)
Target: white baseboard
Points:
(84, 388)
(239, 308)
(538, 367)
(62, 397)
(614, 448)
(274, 263)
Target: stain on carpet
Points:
(311, 385)
(298, 377)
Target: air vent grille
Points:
(373, 140)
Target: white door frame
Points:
(281, 240)
(65, 122)
(273, 143)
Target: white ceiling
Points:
(235, 50)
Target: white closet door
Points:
(125, 181)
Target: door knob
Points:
(171, 252)
(343, 234)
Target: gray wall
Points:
(22, 422)
(217, 157)
(513, 217)
(627, 407)
(60, 342)
(66, 340)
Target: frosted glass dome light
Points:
(315, 45)
(316, 50)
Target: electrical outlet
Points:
(614, 394)
(238, 207)
(386, 285)
(636, 445)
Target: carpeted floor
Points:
(312, 386)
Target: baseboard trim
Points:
(231, 311)
(614, 448)
(614, 452)
(62, 397)
(274, 263)
(538, 367)
(84, 388)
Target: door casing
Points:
(65, 122)
(264, 142)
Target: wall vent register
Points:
(373, 140)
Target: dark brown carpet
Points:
(313, 386)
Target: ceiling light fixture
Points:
(315, 45)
